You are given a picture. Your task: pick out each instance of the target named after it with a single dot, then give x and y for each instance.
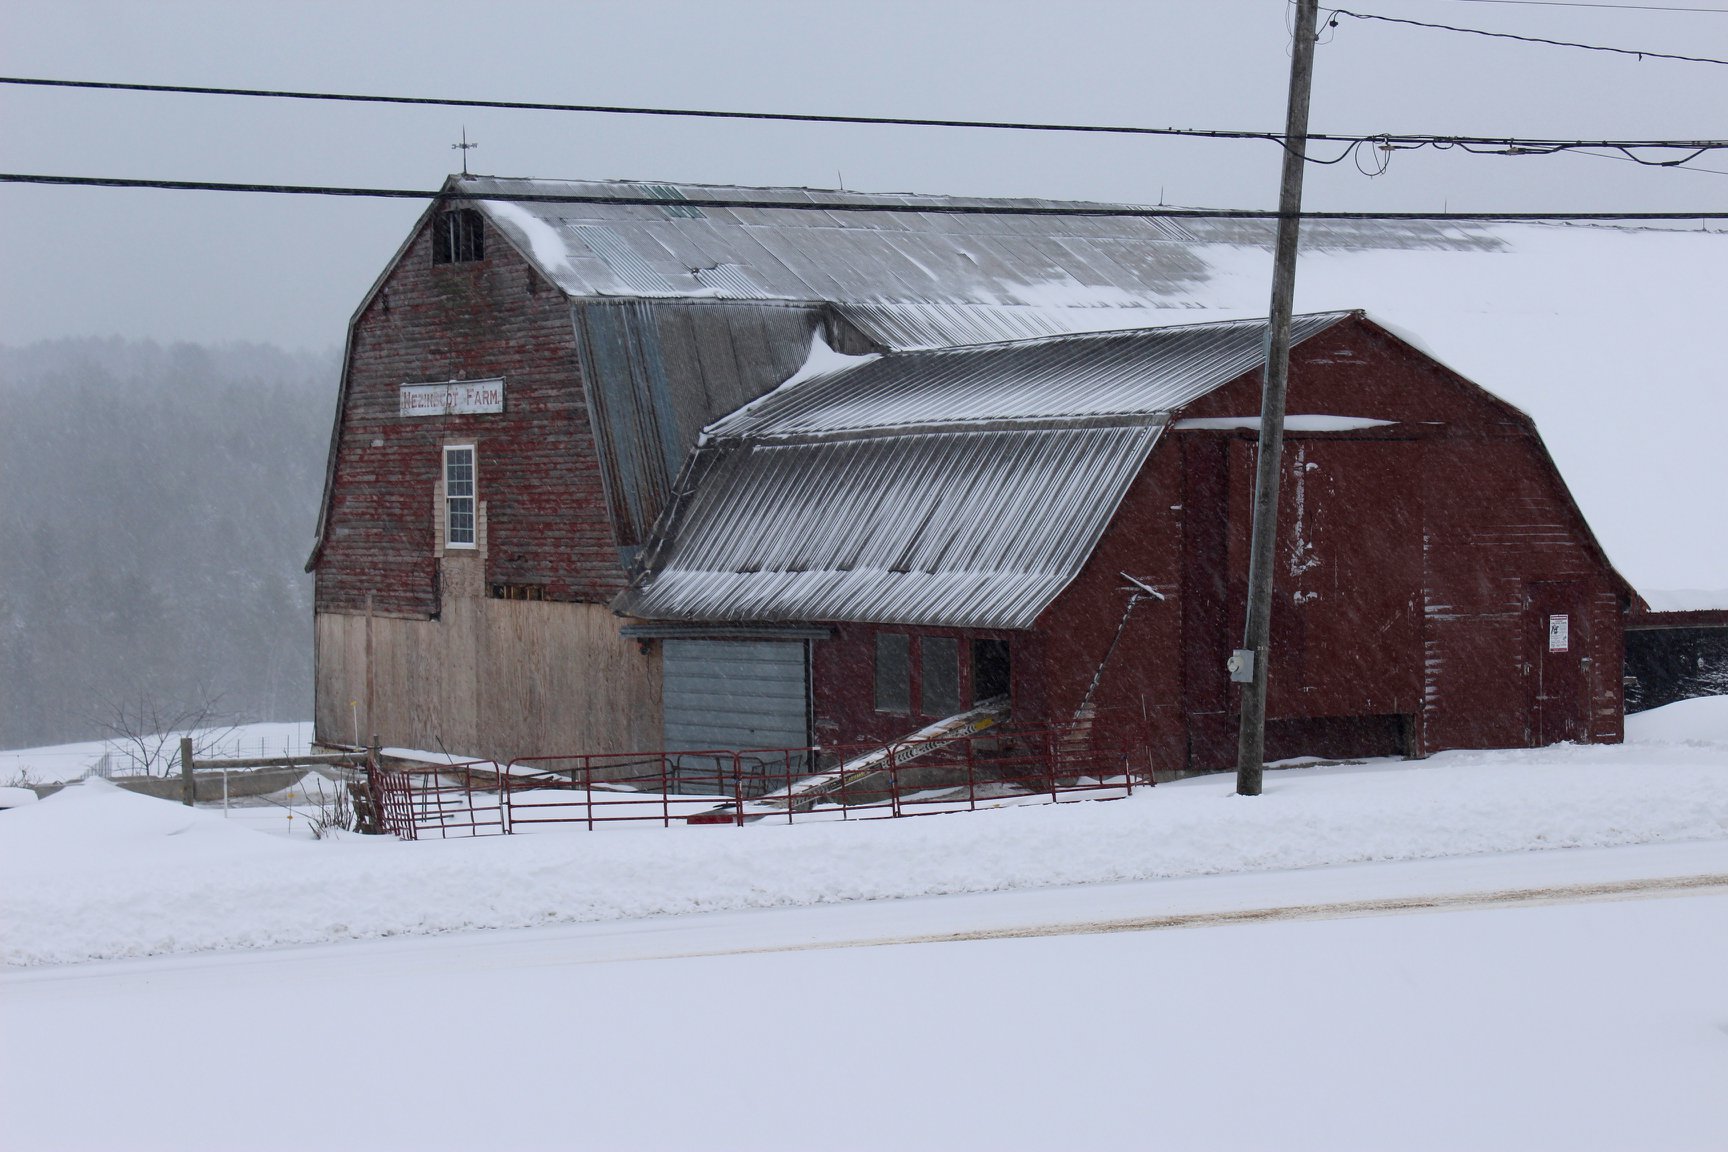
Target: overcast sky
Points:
(218, 266)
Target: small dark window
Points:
(458, 235)
(940, 657)
(893, 672)
(990, 669)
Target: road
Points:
(1566, 999)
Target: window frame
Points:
(472, 498)
(947, 666)
(883, 703)
(459, 237)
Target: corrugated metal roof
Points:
(912, 326)
(1031, 266)
(966, 529)
(891, 491)
(1136, 373)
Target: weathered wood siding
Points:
(490, 678)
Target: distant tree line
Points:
(156, 507)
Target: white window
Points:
(459, 495)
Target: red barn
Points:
(615, 477)
(1069, 518)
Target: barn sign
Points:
(453, 398)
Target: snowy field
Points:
(1557, 1022)
(75, 761)
(1496, 950)
(94, 872)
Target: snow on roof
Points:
(963, 487)
(1687, 599)
(1095, 376)
(1024, 267)
(1603, 335)
(974, 529)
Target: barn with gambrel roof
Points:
(610, 477)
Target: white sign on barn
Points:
(453, 398)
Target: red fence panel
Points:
(958, 773)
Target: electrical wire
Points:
(1412, 139)
(1642, 55)
(863, 206)
(1584, 4)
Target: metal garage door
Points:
(736, 694)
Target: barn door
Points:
(1559, 672)
(736, 694)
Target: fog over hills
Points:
(159, 503)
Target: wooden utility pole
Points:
(1249, 663)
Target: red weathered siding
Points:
(1417, 567)
(1138, 700)
(843, 681)
(1413, 561)
(1429, 536)
(537, 471)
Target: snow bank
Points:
(16, 797)
(94, 872)
(1703, 721)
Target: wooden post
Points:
(188, 783)
(1257, 630)
(371, 716)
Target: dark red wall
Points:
(537, 469)
(843, 681)
(1431, 545)
(1417, 565)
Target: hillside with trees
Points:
(159, 503)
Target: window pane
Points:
(461, 521)
(459, 495)
(459, 472)
(941, 682)
(893, 672)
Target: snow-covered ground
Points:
(1556, 1024)
(75, 761)
(1368, 956)
(94, 872)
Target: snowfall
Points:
(1504, 949)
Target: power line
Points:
(1614, 156)
(1410, 139)
(863, 206)
(1336, 12)
(1583, 4)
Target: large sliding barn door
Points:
(732, 694)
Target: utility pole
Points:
(1249, 664)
